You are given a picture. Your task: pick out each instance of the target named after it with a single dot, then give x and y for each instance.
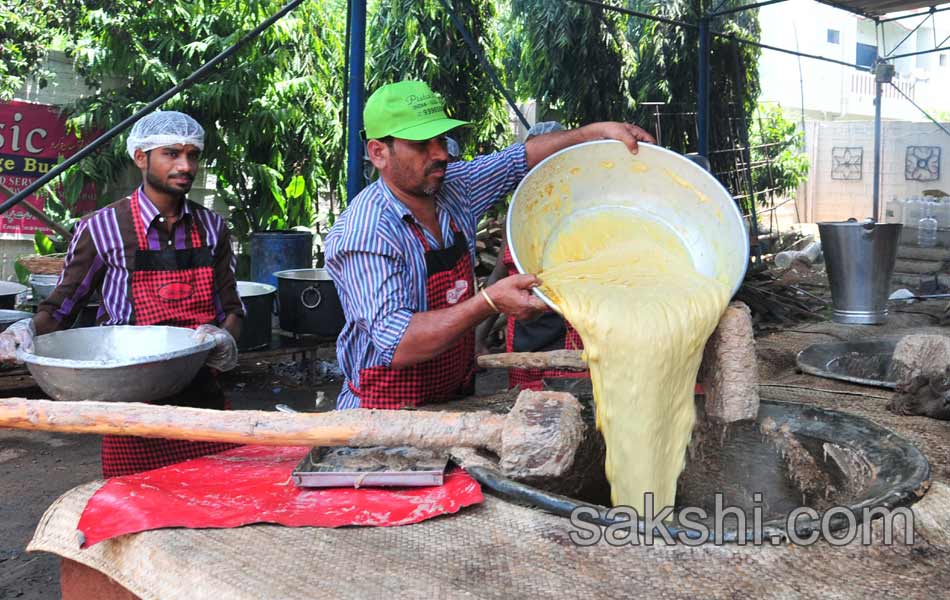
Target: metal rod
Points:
(729, 11)
(876, 194)
(185, 83)
(909, 99)
(736, 38)
(62, 231)
(932, 10)
(909, 33)
(938, 49)
(473, 46)
(357, 50)
(702, 103)
(635, 13)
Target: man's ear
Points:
(378, 153)
(141, 159)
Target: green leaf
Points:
(42, 244)
(296, 187)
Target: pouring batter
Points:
(629, 286)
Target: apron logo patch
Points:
(456, 293)
(176, 291)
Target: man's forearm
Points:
(432, 332)
(540, 147)
(44, 323)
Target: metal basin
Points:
(9, 317)
(43, 285)
(122, 363)
(866, 362)
(655, 183)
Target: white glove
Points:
(19, 334)
(224, 355)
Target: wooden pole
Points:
(358, 427)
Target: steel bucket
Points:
(655, 183)
(860, 261)
(258, 299)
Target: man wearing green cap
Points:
(402, 253)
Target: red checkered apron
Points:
(169, 287)
(531, 379)
(450, 279)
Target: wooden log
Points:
(556, 359)
(358, 427)
(729, 371)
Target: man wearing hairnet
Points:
(155, 258)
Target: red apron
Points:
(450, 279)
(169, 287)
(547, 332)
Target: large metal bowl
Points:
(656, 183)
(121, 363)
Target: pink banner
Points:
(33, 139)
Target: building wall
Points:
(827, 196)
(828, 91)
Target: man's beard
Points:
(431, 189)
(160, 185)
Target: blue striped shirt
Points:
(379, 265)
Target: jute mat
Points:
(495, 550)
(501, 550)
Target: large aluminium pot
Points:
(308, 302)
(258, 301)
(655, 183)
(9, 291)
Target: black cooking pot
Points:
(258, 301)
(308, 302)
(8, 293)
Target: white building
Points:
(838, 104)
(831, 92)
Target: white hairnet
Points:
(544, 127)
(164, 128)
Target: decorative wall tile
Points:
(847, 162)
(922, 163)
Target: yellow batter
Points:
(628, 285)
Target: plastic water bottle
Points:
(927, 227)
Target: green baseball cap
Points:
(408, 110)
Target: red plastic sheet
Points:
(252, 484)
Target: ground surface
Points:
(36, 468)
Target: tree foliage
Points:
(670, 57)
(27, 28)
(271, 112)
(416, 39)
(573, 59)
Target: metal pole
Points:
(878, 89)
(702, 103)
(185, 83)
(357, 50)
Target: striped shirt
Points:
(379, 266)
(101, 257)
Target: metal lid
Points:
(11, 287)
(304, 275)
(12, 316)
(249, 289)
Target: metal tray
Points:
(377, 466)
(866, 362)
